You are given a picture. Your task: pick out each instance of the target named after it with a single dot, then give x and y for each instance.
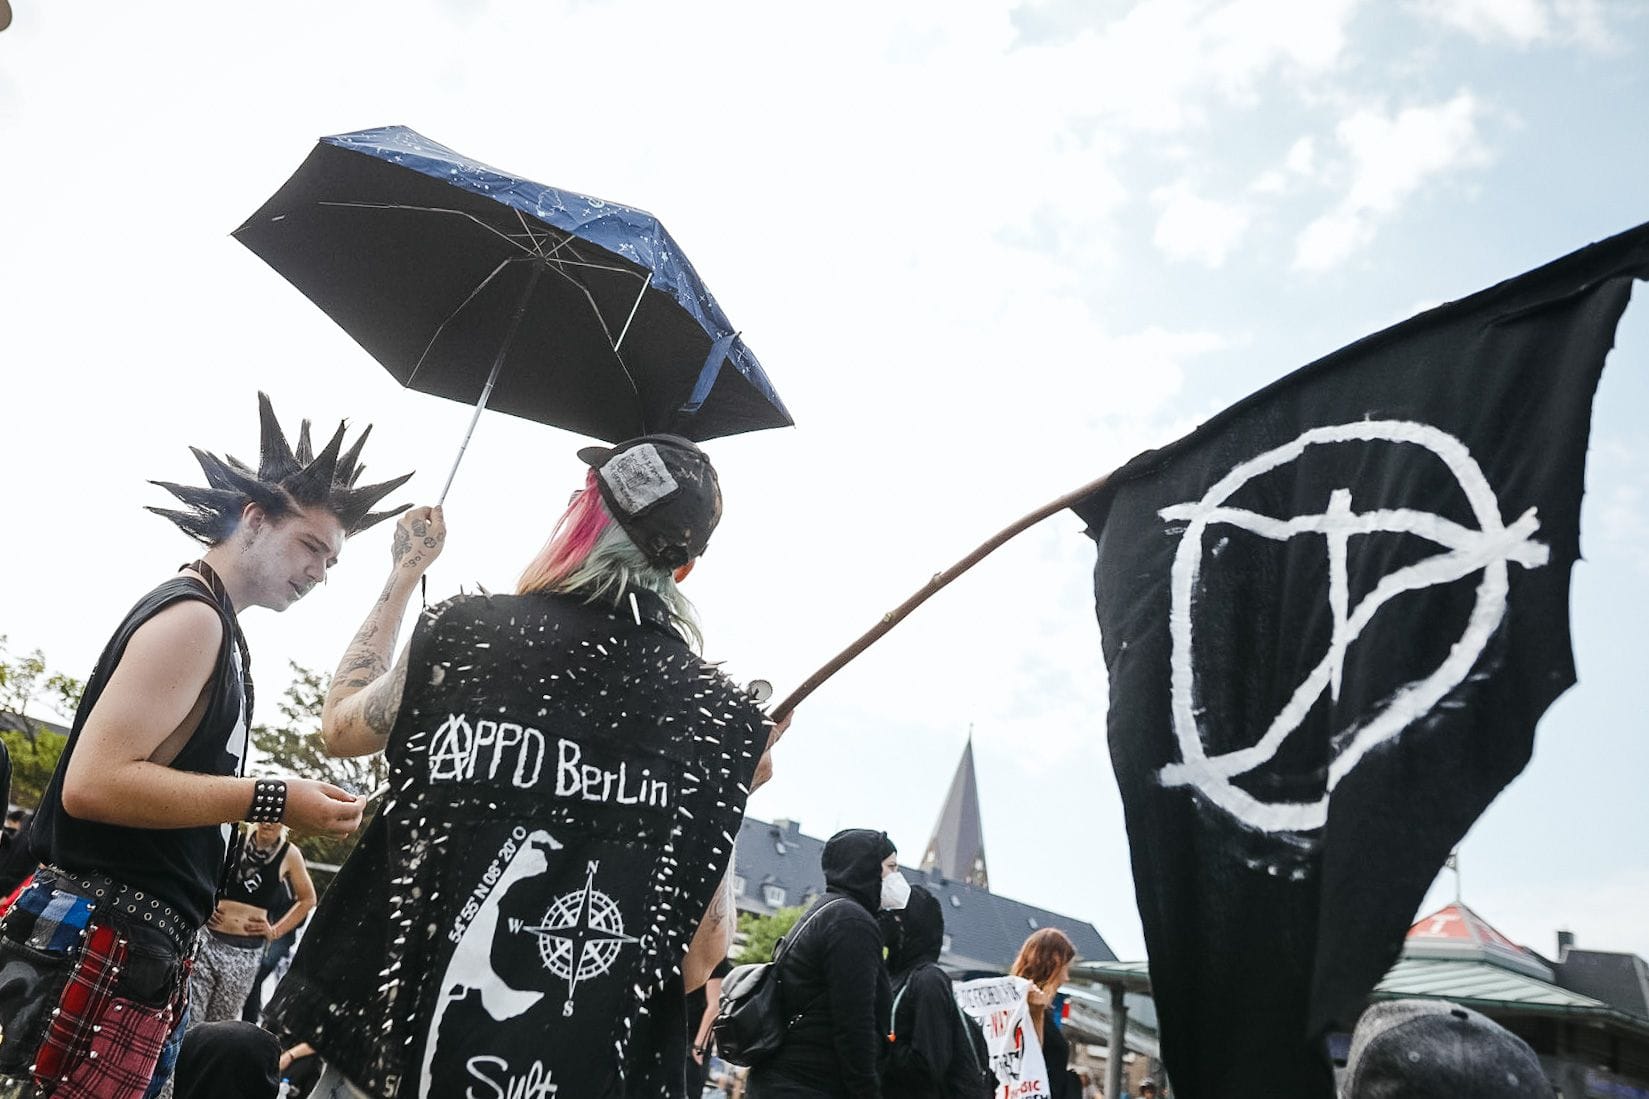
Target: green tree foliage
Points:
(26, 686)
(761, 934)
(293, 746)
(33, 759)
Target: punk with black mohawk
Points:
(285, 478)
(131, 827)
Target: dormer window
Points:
(773, 895)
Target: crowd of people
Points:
(553, 858)
(542, 903)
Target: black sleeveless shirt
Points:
(181, 866)
(255, 878)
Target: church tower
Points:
(957, 849)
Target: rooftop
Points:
(778, 865)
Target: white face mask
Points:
(895, 892)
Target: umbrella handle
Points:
(492, 377)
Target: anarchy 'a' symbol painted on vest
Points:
(580, 935)
(1484, 551)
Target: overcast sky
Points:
(985, 251)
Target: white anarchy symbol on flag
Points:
(1465, 551)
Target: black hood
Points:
(852, 865)
(921, 932)
(231, 1060)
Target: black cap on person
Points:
(663, 491)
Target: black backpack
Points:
(750, 1020)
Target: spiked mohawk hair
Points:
(284, 481)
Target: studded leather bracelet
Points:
(268, 802)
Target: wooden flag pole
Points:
(940, 579)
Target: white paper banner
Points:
(1000, 1007)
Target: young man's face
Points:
(282, 559)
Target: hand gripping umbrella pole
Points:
(939, 580)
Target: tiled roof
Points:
(11, 722)
(1619, 980)
(985, 930)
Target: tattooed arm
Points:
(714, 938)
(365, 696)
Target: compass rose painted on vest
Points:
(580, 936)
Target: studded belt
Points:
(137, 906)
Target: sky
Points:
(985, 251)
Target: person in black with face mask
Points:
(932, 1054)
(832, 980)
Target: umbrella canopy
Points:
(452, 274)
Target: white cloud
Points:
(1248, 38)
(1623, 507)
(1522, 23)
(1302, 157)
(1166, 65)
(1300, 163)
(1190, 227)
(1390, 158)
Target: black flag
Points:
(1332, 616)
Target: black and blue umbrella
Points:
(486, 288)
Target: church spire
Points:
(957, 849)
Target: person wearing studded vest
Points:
(544, 881)
(132, 830)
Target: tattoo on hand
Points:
(403, 542)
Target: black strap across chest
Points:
(215, 584)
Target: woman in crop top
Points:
(232, 947)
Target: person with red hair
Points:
(1045, 960)
(546, 880)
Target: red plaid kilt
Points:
(102, 1045)
(84, 998)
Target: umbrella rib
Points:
(580, 261)
(635, 389)
(625, 331)
(537, 247)
(442, 327)
(535, 251)
(436, 210)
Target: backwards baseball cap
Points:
(663, 491)
(1416, 1049)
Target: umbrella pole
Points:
(938, 581)
(492, 378)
